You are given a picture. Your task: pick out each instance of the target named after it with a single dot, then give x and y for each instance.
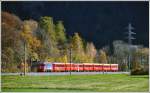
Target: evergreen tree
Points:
(47, 36)
(61, 38)
(60, 33)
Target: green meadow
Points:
(76, 83)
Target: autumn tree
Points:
(140, 62)
(90, 52)
(28, 38)
(11, 25)
(77, 48)
(77, 44)
(102, 57)
(140, 58)
(11, 44)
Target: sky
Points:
(96, 21)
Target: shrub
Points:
(139, 71)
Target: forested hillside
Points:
(46, 40)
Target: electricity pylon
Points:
(130, 38)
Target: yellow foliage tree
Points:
(77, 48)
(102, 57)
(90, 52)
(61, 59)
(138, 56)
(51, 59)
(64, 59)
(22, 65)
(32, 43)
(143, 51)
(77, 44)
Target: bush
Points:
(139, 71)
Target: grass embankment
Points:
(81, 83)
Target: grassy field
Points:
(81, 83)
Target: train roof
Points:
(97, 64)
(114, 64)
(73, 63)
(88, 63)
(64, 63)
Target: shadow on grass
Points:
(139, 76)
(44, 89)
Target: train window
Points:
(88, 65)
(57, 65)
(48, 66)
(62, 65)
(114, 66)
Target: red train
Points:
(65, 67)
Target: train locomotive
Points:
(76, 67)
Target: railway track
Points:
(64, 73)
